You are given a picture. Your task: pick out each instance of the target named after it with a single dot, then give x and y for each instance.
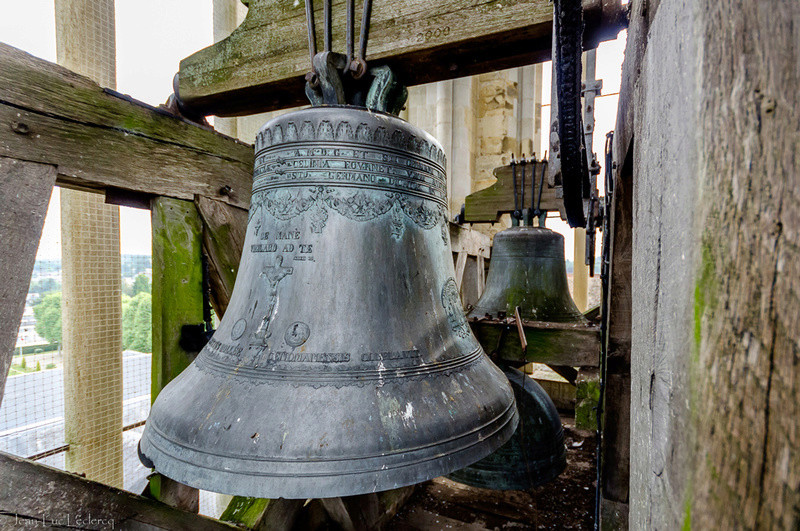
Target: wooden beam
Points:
(36, 495)
(99, 139)
(474, 243)
(487, 205)
(575, 345)
(260, 66)
(26, 190)
(616, 428)
(224, 229)
(177, 301)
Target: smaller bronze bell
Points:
(527, 271)
(534, 455)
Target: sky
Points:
(154, 35)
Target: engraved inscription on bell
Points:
(344, 344)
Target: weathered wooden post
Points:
(22, 212)
(91, 275)
(177, 301)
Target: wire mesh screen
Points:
(107, 398)
(32, 412)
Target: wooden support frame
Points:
(101, 140)
(487, 205)
(570, 344)
(22, 215)
(36, 495)
(422, 41)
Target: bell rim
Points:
(291, 484)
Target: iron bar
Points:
(522, 187)
(328, 41)
(365, 29)
(312, 36)
(351, 22)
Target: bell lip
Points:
(484, 478)
(408, 468)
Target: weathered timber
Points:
(177, 301)
(572, 344)
(263, 514)
(224, 229)
(487, 205)
(260, 66)
(36, 495)
(367, 511)
(99, 139)
(712, 121)
(746, 296)
(616, 423)
(470, 251)
(23, 204)
(465, 239)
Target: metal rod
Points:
(48, 453)
(312, 35)
(65, 447)
(365, 29)
(351, 22)
(134, 425)
(514, 177)
(538, 210)
(532, 210)
(328, 26)
(522, 198)
(604, 306)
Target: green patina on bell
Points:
(527, 270)
(534, 455)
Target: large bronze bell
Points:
(344, 363)
(527, 271)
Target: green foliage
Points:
(50, 366)
(137, 322)
(38, 366)
(44, 285)
(141, 285)
(23, 364)
(48, 317)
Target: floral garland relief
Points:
(285, 204)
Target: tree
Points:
(48, 317)
(141, 284)
(44, 285)
(136, 322)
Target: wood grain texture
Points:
(26, 189)
(99, 139)
(224, 229)
(260, 66)
(487, 205)
(177, 301)
(30, 492)
(747, 298)
(713, 122)
(474, 243)
(575, 345)
(616, 424)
